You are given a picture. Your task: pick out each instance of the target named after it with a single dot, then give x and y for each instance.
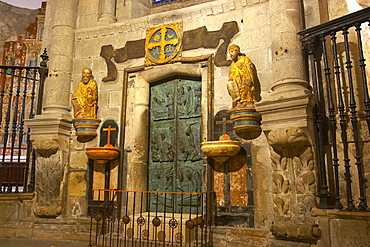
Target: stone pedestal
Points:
(86, 128)
(50, 141)
(246, 121)
(287, 122)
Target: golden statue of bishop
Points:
(85, 98)
(241, 79)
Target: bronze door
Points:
(175, 160)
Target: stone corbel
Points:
(294, 185)
(45, 147)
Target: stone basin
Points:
(222, 149)
(102, 154)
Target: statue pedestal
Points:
(246, 121)
(86, 128)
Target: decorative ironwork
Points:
(156, 221)
(190, 224)
(98, 217)
(141, 221)
(173, 223)
(183, 229)
(20, 92)
(126, 219)
(342, 100)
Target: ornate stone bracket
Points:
(49, 175)
(294, 184)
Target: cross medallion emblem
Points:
(163, 43)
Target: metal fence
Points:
(337, 54)
(151, 218)
(20, 99)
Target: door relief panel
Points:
(175, 163)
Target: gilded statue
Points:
(241, 79)
(85, 98)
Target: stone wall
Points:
(76, 31)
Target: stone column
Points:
(50, 132)
(290, 90)
(57, 85)
(287, 122)
(108, 12)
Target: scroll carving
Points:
(294, 183)
(192, 39)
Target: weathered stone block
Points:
(78, 184)
(350, 232)
(9, 211)
(115, 98)
(78, 160)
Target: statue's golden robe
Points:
(241, 84)
(85, 100)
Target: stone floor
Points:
(8, 242)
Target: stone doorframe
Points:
(135, 116)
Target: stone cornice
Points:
(195, 12)
(48, 126)
(16, 196)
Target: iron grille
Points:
(20, 99)
(125, 218)
(337, 52)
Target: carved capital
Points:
(288, 142)
(45, 147)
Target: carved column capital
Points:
(45, 147)
(289, 142)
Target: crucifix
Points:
(224, 122)
(109, 129)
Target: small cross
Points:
(224, 122)
(109, 129)
(163, 42)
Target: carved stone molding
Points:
(294, 184)
(45, 147)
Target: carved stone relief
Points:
(294, 183)
(48, 178)
(175, 160)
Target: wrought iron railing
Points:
(20, 98)
(150, 218)
(337, 54)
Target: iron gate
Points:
(20, 99)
